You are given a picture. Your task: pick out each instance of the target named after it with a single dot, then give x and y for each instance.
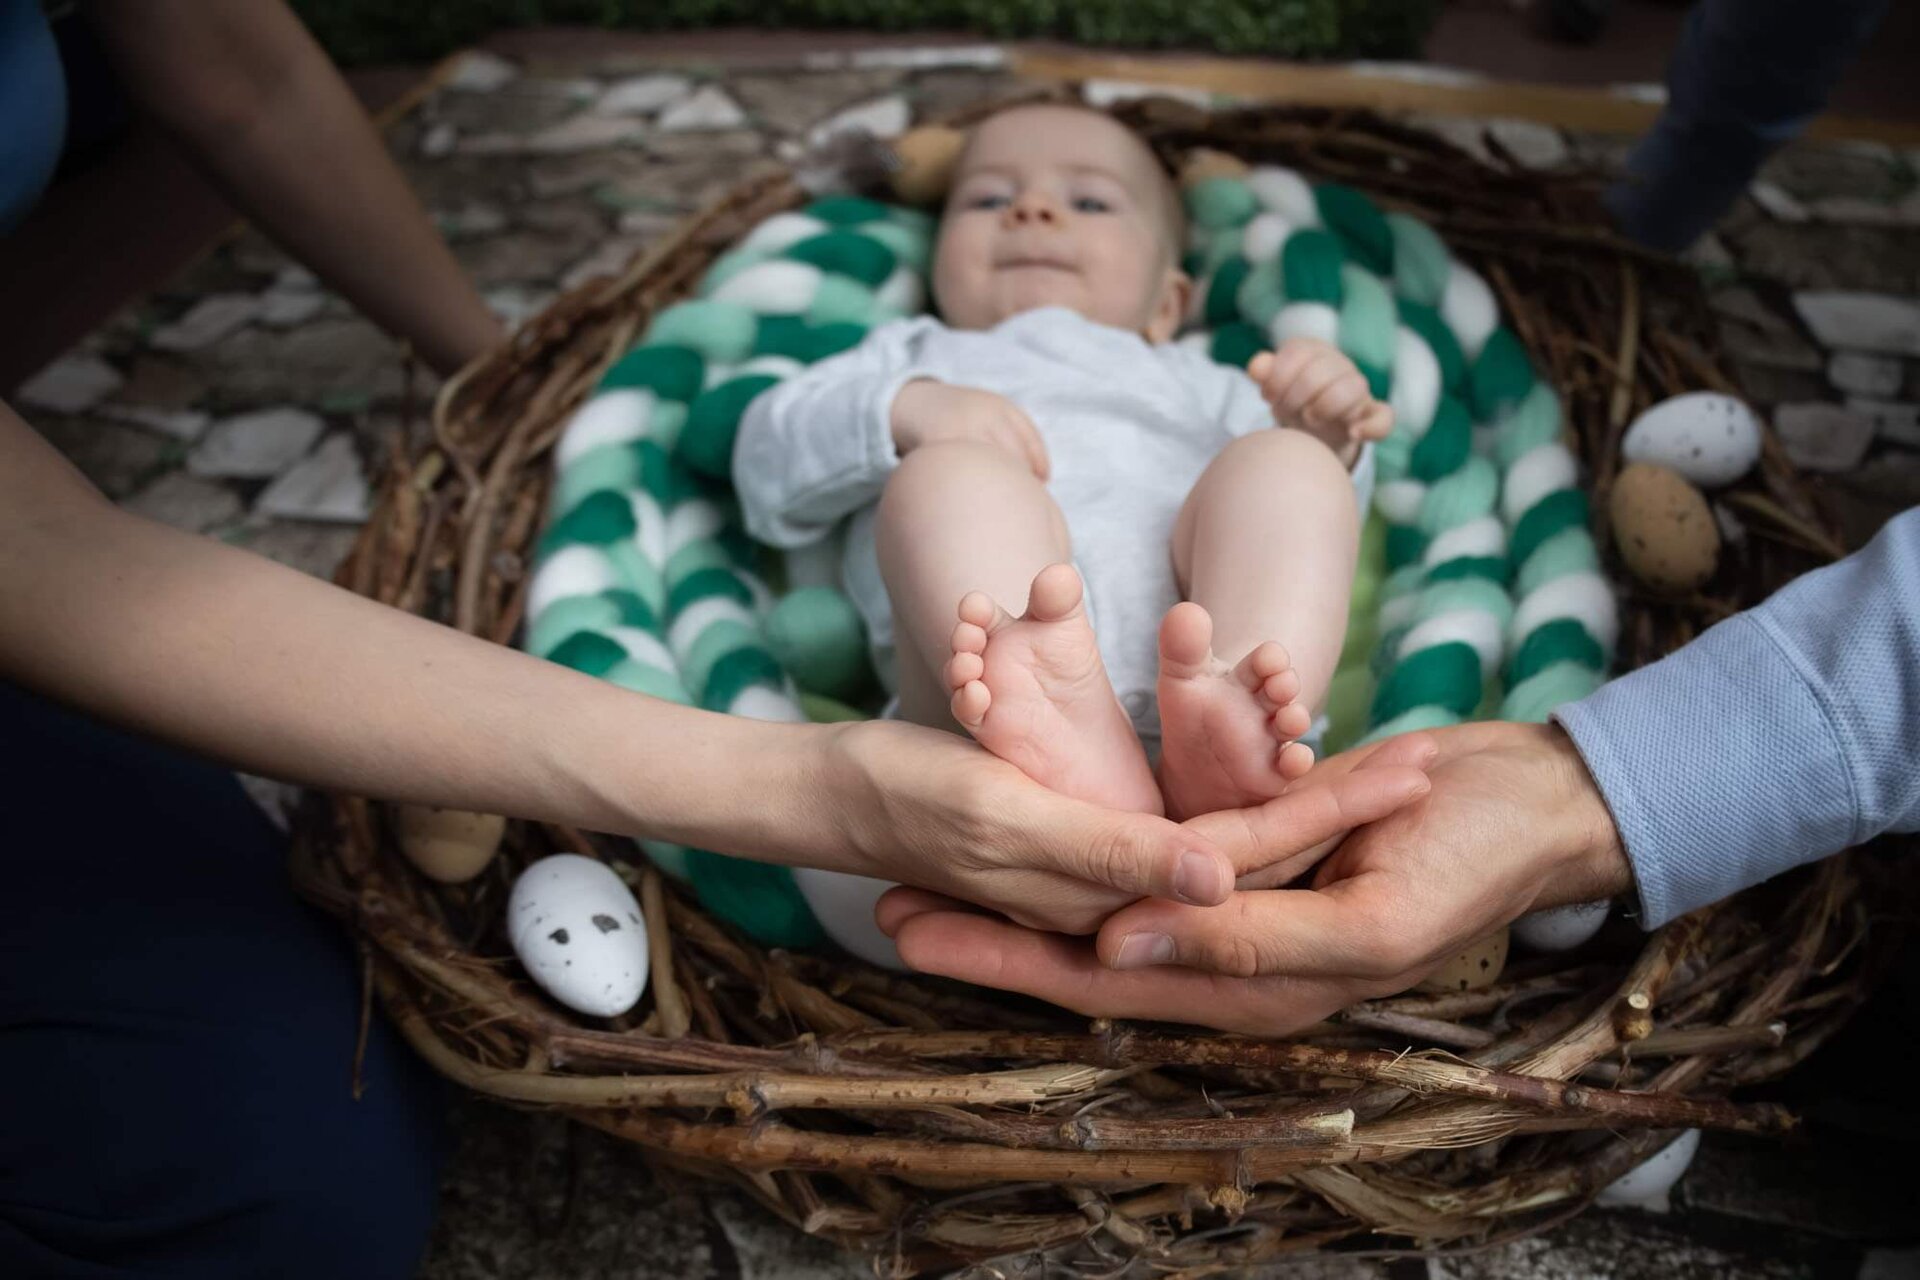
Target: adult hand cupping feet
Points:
(933, 810)
(1512, 823)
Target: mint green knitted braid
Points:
(1281, 259)
(644, 576)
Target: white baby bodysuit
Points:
(1129, 426)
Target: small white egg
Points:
(577, 929)
(1709, 438)
(843, 905)
(1561, 928)
(1646, 1185)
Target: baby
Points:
(1049, 462)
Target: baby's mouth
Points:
(1037, 263)
(1045, 264)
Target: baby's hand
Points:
(1313, 387)
(926, 412)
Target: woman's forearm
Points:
(267, 116)
(236, 657)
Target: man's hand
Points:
(937, 811)
(929, 412)
(1513, 823)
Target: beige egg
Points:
(1202, 163)
(1478, 964)
(449, 845)
(1664, 528)
(927, 156)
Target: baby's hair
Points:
(1172, 209)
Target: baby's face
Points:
(1057, 207)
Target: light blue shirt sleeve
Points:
(1781, 736)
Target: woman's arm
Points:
(267, 669)
(269, 119)
(231, 655)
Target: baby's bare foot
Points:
(1227, 733)
(1034, 692)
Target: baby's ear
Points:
(1176, 291)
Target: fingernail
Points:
(1197, 880)
(1141, 950)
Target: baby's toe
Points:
(1186, 639)
(1291, 721)
(970, 703)
(1282, 688)
(1055, 593)
(978, 608)
(968, 637)
(964, 668)
(1293, 760)
(1266, 661)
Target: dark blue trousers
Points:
(1748, 76)
(177, 1031)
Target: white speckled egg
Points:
(843, 905)
(1646, 1186)
(1709, 438)
(579, 932)
(1561, 928)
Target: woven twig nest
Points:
(931, 1124)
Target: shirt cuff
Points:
(881, 454)
(1720, 767)
(1363, 472)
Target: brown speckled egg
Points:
(448, 845)
(1203, 163)
(1478, 964)
(1664, 528)
(927, 156)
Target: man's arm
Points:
(1782, 735)
(269, 119)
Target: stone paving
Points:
(244, 401)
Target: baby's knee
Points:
(1283, 460)
(951, 470)
(1285, 449)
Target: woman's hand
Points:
(1513, 823)
(937, 811)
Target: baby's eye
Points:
(985, 200)
(1091, 204)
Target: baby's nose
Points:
(1033, 208)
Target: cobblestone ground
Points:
(245, 402)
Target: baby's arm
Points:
(1310, 385)
(820, 445)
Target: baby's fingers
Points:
(1278, 370)
(1374, 422)
(1319, 376)
(1341, 400)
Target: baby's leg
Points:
(968, 525)
(1264, 552)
